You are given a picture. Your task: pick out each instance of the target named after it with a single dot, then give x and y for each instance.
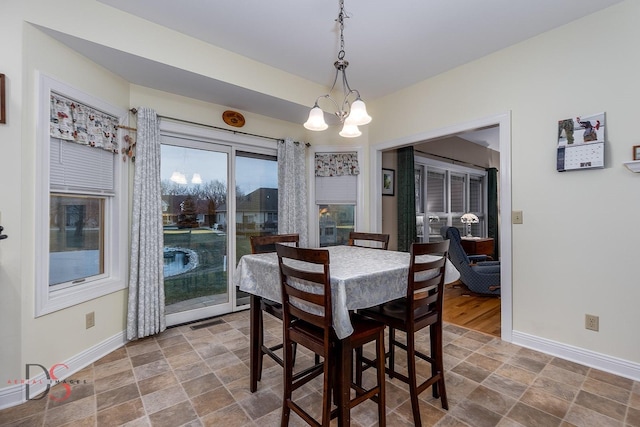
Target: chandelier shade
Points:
(178, 178)
(316, 119)
(196, 179)
(350, 130)
(358, 115)
(352, 111)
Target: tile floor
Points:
(200, 377)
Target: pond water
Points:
(179, 260)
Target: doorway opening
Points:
(501, 124)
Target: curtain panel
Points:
(492, 209)
(292, 189)
(73, 121)
(406, 199)
(145, 314)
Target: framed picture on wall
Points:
(636, 152)
(388, 182)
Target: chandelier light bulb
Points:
(358, 115)
(350, 130)
(196, 179)
(316, 119)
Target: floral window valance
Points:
(73, 121)
(337, 164)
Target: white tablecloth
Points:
(360, 278)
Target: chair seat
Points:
(482, 277)
(394, 314)
(272, 307)
(364, 329)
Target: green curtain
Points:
(406, 199)
(492, 214)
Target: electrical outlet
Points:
(516, 217)
(90, 319)
(592, 322)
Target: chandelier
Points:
(351, 114)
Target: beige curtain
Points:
(292, 189)
(145, 315)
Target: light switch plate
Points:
(516, 217)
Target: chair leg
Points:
(436, 354)
(358, 372)
(412, 375)
(380, 355)
(288, 384)
(392, 348)
(260, 343)
(329, 371)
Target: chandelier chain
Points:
(351, 111)
(340, 19)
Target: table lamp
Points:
(469, 219)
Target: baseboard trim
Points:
(603, 362)
(15, 394)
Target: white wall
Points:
(11, 265)
(576, 251)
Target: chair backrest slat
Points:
(265, 244)
(425, 294)
(305, 285)
(382, 239)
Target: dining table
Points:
(361, 277)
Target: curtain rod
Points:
(135, 111)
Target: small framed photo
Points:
(388, 182)
(636, 152)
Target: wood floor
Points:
(478, 312)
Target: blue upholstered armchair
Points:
(482, 277)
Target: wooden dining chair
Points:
(357, 238)
(307, 318)
(260, 245)
(421, 307)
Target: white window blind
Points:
(436, 191)
(81, 168)
(336, 189)
(475, 194)
(457, 193)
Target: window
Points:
(336, 197)
(450, 192)
(76, 239)
(81, 249)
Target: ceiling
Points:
(389, 44)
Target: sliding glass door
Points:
(256, 177)
(194, 178)
(216, 194)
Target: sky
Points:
(211, 165)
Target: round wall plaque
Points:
(233, 118)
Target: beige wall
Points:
(567, 260)
(11, 189)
